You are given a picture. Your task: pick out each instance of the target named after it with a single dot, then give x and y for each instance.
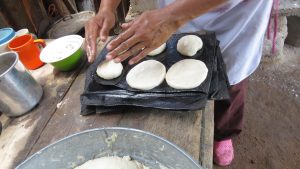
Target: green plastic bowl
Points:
(64, 53)
(70, 62)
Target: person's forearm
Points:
(182, 11)
(109, 4)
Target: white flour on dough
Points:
(113, 162)
(109, 70)
(146, 75)
(186, 74)
(189, 45)
(158, 50)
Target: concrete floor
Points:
(271, 135)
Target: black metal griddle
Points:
(116, 94)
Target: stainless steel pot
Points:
(69, 25)
(19, 92)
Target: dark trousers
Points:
(229, 113)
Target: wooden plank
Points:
(61, 7)
(61, 122)
(71, 5)
(15, 13)
(22, 14)
(28, 10)
(207, 136)
(20, 134)
(42, 8)
(35, 12)
(4, 22)
(182, 128)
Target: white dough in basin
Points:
(186, 74)
(146, 75)
(158, 50)
(112, 162)
(109, 70)
(189, 45)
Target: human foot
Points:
(223, 152)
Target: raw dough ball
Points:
(146, 75)
(109, 70)
(158, 50)
(189, 45)
(113, 162)
(186, 74)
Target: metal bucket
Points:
(19, 92)
(149, 149)
(69, 25)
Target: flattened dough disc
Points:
(146, 75)
(186, 74)
(158, 50)
(189, 45)
(109, 70)
(112, 162)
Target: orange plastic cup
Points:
(28, 50)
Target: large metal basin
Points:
(151, 150)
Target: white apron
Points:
(240, 26)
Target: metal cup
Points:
(19, 92)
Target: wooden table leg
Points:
(207, 136)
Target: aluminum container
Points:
(149, 149)
(19, 92)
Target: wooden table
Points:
(58, 115)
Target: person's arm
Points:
(155, 27)
(183, 11)
(99, 26)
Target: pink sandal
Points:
(223, 152)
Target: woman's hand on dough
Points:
(153, 28)
(141, 36)
(98, 26)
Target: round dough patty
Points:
(158, 50)
(189, 45)
(186, 74)
(109, 70)
(112, 162)
(146, 75)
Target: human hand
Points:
(141, 36)
(98, 26)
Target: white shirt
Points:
(240, 26)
